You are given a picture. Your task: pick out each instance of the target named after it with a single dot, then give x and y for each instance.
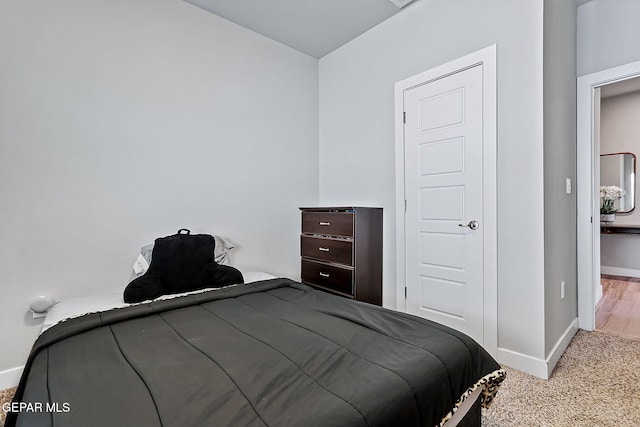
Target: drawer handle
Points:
(324, 223)
(324, 274)
(323, 249)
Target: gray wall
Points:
(608, 34)
(560, 251)
(123, 121)
(619, 254)
(357, 135)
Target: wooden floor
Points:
(618, 311)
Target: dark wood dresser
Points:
(341, 250)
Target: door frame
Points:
(487, 59)
(588, 197)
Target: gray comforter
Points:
(273, 353)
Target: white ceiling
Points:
(315, 27)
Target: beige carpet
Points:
(5, 396)
(596, 383)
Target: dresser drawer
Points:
(328, 223)
(333, 250)
(327, 276)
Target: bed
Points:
(268, 353)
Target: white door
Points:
(444, 201)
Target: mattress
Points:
(270, 353)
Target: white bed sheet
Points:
(76, 307)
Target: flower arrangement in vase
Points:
(608, 196)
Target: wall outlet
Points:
(561, 290)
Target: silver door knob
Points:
(472, 225)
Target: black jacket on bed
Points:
(180, 263)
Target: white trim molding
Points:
(541, 368)
(487, 58)
(10, 378)
(531, 365)
(618, 271)
(588, 178)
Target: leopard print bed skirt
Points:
(489, 385)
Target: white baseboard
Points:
(558, 350)
(540, 368)
(10, 378)
(617, 271)
(531, 365)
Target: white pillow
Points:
(76, 307)
(220, 255)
